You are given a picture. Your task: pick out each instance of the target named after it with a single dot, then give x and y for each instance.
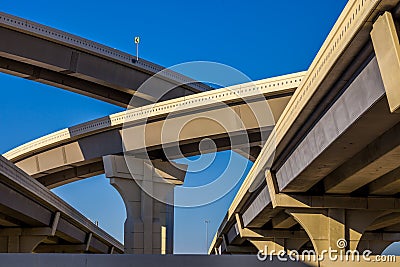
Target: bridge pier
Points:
(326, 227)
(149, 224)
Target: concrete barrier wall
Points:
(81, 260)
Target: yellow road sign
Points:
(137, 40)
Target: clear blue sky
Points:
(260, 38)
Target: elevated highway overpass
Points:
(236, 117)
(47, 55)
(227, 116)
(76, 153)
(50, 56)
(334, 154)
(334, 149)
(33, 219)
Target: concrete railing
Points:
(271, 86)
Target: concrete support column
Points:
(325, 227)
(149, 224)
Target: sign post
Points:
(137, 41)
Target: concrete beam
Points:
(22, 207)
(241, 250)
(226, 248)
(385, 221)
(260, 234)
(283, 221)
(88, 241)
(269, 204)
(71, 174)
(336, 202)
(39, 231)
(388, 184)
(271, 240)
(233, 236)
(378, 158)
(387, 49)
(302, 170)
(252, 154)
(54, 224)
(260, 210)
(66, 82)
(283, 201)
(8, 221)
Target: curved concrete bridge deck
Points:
(47, 55)
(335, 152)
(33, 219)
(76, 152)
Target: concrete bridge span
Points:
(334, 150)
(33, 219)
(236, 117)
(47, 55)
(76, 152)
(335, 161)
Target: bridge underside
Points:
(32, 219)
(335, 173)
(337, 176)
(238, 118)
(82, 158)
